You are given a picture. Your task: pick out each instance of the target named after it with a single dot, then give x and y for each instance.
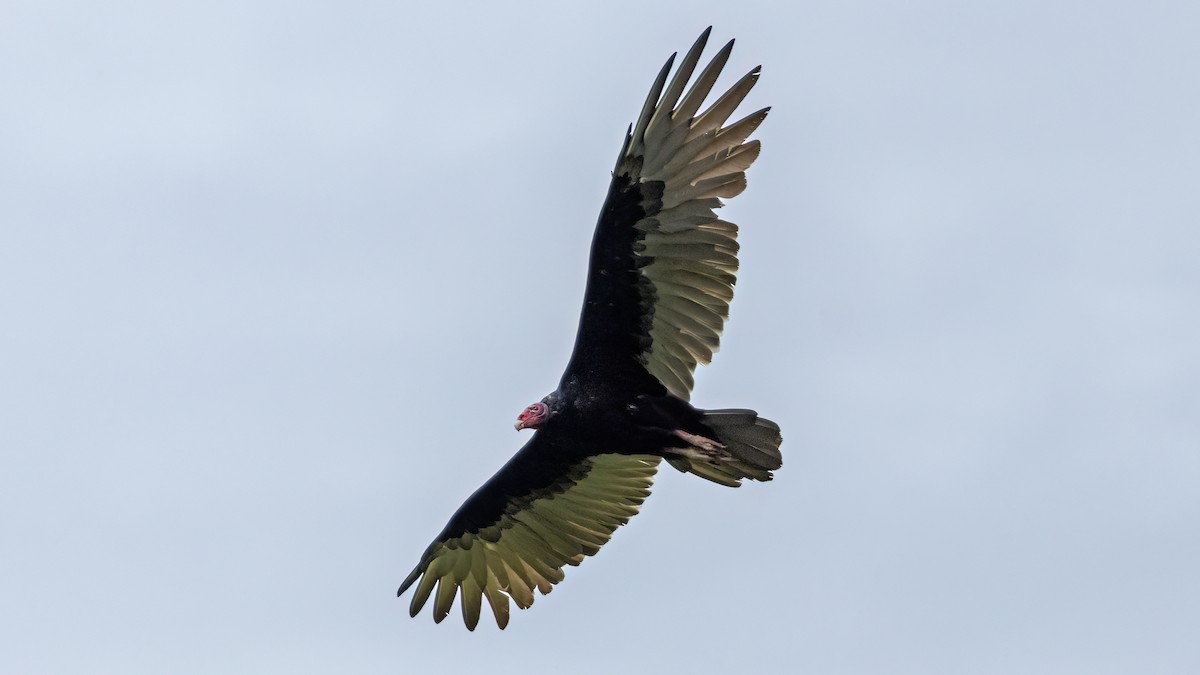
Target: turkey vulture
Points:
(659, 284)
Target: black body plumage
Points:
(660, 279)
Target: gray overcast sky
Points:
(276, 278)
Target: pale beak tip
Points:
(519, 425)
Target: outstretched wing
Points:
(543, 510)
(663, 265)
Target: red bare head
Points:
(533, 416)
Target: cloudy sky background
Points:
(275, 279)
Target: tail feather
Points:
(752, 440)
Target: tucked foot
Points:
(702, 448)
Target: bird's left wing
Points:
(662, 264)
(516, 533)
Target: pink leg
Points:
(701, 448)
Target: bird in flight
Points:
(660, 279)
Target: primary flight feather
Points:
(659, 284)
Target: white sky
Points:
(276, 278)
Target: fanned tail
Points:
(752, 441)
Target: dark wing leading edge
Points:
(545, 509)
(663, 265)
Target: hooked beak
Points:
(519, 425)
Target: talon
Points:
(703, 448)
(700, 442)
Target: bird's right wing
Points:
(542, 511)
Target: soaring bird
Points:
(660, 279)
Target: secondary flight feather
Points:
(660, 280)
